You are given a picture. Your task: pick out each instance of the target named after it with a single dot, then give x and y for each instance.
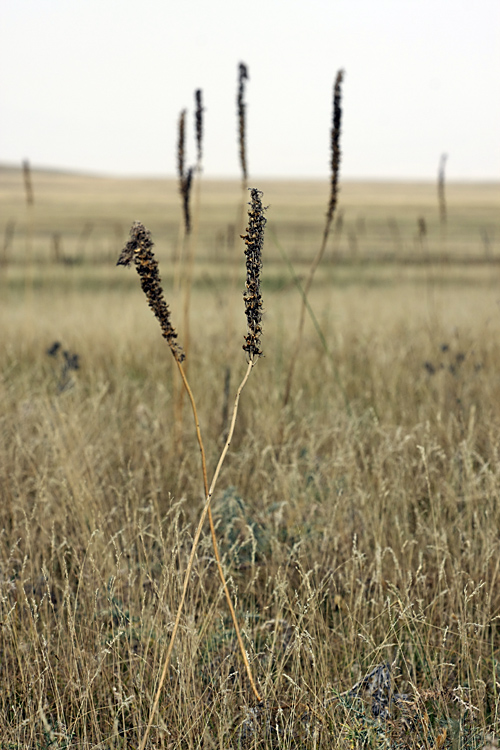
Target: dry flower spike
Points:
(139, 249)
(254, 241)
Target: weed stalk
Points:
(139, 250)
(332, 204)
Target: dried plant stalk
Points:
(242, 77)
(198, 123)
(139, 250)
(332, 204)
(185, 178)
(181, 147)
(254, 241)
(186, 195)
(335, 150)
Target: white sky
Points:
(97, 85)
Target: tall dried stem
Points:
(242, 77)
(198, 123)
(139, 250)
(332, 204)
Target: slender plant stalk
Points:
(181, 148)
(198, 125)
(315, 321)
(242, 139)
(192, 237)
(205, 511)
(335, 168)
(184, 263)
(204, 470)
(185, 176)
(241, 108)
(139, 249)
(209, 491)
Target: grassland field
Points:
(359, 525)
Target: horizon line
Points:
(75, 172)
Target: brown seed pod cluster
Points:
(254, 241)
(139, 249)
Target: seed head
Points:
(185, 178)
(139, 249)
(181, 140)
(335, 144)
(254, 241)
(198, 121)
(186, 194)
(242, 77)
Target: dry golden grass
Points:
(92, 215)
(370, 535)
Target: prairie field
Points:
(358, 523)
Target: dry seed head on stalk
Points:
(185, 178)
(242, 77)
(186, 194)
(335, 144)
(139, 249)
(254, 241)
(198, 121)
(181, 147)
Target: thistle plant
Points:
(139, 251)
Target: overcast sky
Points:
(97, 85)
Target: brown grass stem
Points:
(205, 511)
(139, 249)
(314, 320)
(198, 124)
(186, 260)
